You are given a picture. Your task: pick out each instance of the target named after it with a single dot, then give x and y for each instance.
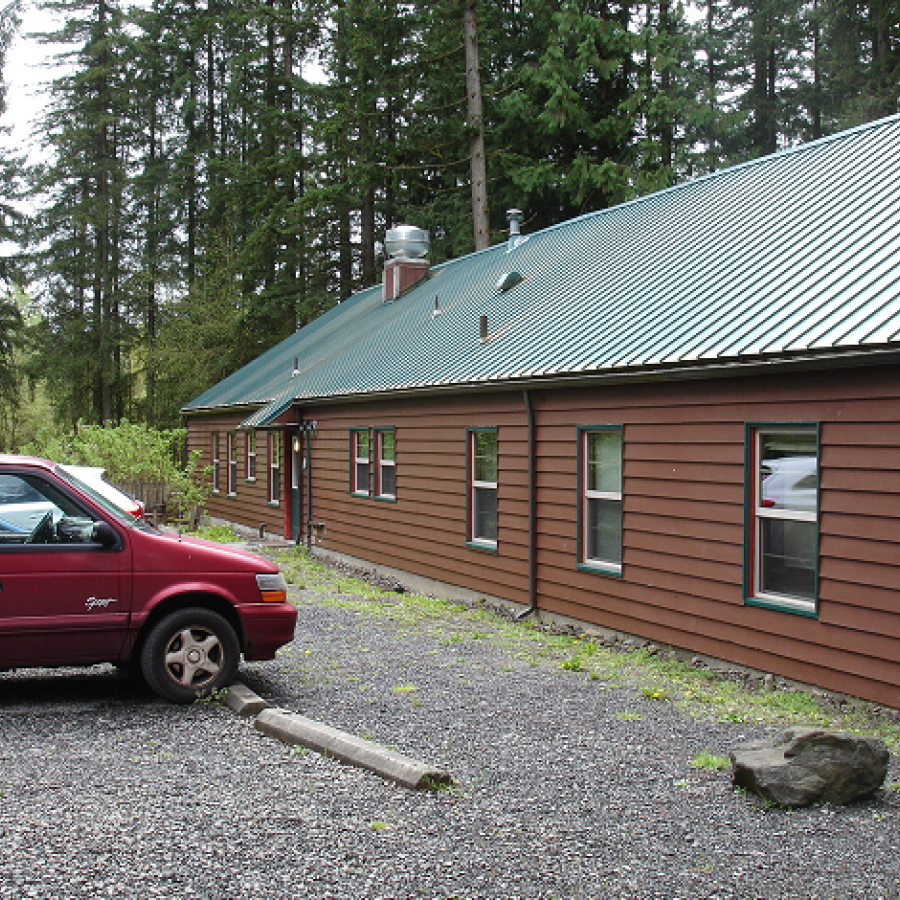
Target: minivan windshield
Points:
(108, 506)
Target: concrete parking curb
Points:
(296, 729)
(241, 700)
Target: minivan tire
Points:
(189, 654)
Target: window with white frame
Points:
(216, 463)
(385, 464)
(231, 462)
(273, 442)
(600, 512)
(482, 452)
(250, 456)
(783, 537)
(360, 461)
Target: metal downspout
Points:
(307, 465)
(532, 512)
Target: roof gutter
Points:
(638, 375)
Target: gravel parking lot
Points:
(568, 785)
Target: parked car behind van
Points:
(95, 477)
(83, 582)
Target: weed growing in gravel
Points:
(223, 534)
(573, 665)
(655, 693)
(651, 673)
(706, 759)
(216, 697)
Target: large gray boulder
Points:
(801, 766)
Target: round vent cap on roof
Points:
(407, 240)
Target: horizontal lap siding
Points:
(684, 458)
(424, 531)
(683, 506)
(248, 506)
(683, 502)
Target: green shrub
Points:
(130, 452)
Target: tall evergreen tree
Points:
(11, 164)
(203, 197)
(663, 99)
(569, 140)
(856, 61)
(83, 224)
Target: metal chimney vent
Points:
(406, 247)
(406, 241)
(515, 235)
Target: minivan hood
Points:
(183, 553)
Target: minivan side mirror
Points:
(103, 533)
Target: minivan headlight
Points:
(272, 587)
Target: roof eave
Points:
(691, 371)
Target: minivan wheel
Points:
(189, 654)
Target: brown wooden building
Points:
(678, 418)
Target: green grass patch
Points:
(706, 759)
(223, 534)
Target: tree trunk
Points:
(475, 128)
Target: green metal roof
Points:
(793, 255)
(267, 414)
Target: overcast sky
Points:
(28, 69)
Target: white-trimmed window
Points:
(482, 466)
(273, 442)
(385, 464)
(216, 462)
(360, 461)
(231, 462)
(600, 509)
(250, 456)
(784, 521)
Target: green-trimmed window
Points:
(250, 456)
(385, 464)
(600, 503)
(273, 446)
(231, 470)
(216, 467)
(360, 461)
(783, 526)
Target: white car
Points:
(92, 477)
(21, 506)
(793, 484)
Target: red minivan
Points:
(83, 582)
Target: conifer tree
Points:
(88, 241)
(11, 164)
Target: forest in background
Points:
(218, 173)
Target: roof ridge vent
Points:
(509, 280)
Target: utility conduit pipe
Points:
(532, 511)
